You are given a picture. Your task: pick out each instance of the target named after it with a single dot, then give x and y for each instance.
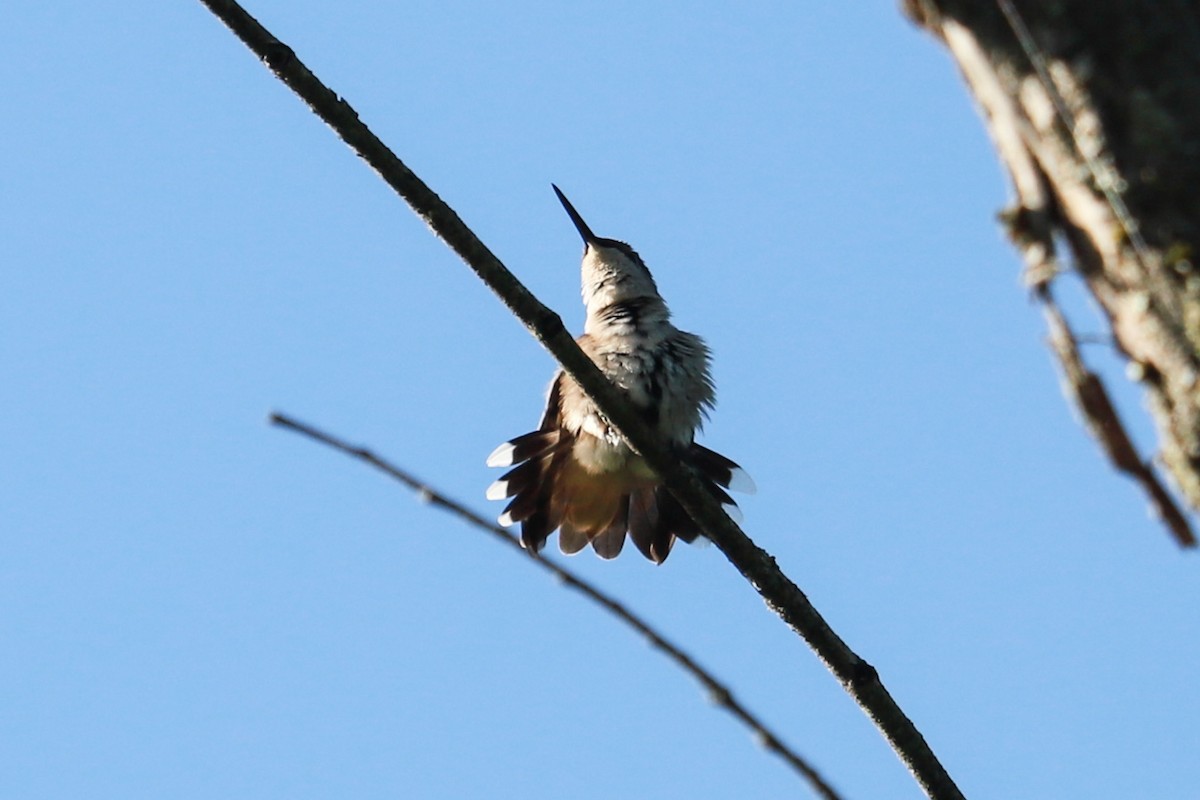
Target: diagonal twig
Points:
(1090, 396)
(720, 693)
(857, 677)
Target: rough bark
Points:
(1094, 109)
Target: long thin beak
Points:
(580, 225)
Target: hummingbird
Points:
(576, 472)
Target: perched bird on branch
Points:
(575, 472)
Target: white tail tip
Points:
(740, 481)
(502, 456)
(504, 520)
(734, 513)
(498, 490)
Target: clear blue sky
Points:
(195, 605)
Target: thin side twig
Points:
(719, 692)
(1087, 391)
(781, 594)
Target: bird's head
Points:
(612, 271)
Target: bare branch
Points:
(720, 693)
(858, 677)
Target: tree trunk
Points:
(1094, 108)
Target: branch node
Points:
(862, 676)
(278, 56)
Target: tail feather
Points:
(608, 542)
(721, 495)
(525, 485)
(536, 529)
(655, 520)
(516, 480)
(721, 470)
(643, 522)
(674, 521)
(522, 507)
(547, 509)
(571, 539)
(523, 448)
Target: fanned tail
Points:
(550, 491)
(608, 542)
